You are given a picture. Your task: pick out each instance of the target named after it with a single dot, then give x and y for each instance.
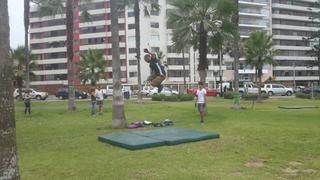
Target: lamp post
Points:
(294, 75)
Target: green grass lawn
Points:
(261, 143)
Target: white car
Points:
(166, 91)
(34, 94)
(277, 89)
(109, 90)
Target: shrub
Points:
(157, 97)
(180, 97)
(251, 96)
(171, 98)
(228, 95)
(303, 95)
(307, 96)
(186, 97)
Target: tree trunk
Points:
(71, 90)
(203, 62)
(184, 71)
(236, 50)
(118, 115)
(137, 34)
(26, 41)
(260, 81)
(9, 168)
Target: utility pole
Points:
(294, 75)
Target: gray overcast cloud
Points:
(16, 23)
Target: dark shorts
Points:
(100, 103)
(27, 104)
(201, 107)
(156, 80)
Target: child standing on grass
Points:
(201, 101)
(27, 102)
(99, 96)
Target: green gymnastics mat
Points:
(153, 138)
(297, 107)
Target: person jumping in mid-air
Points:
(158, 74)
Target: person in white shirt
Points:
(99, 98)
(201, 101)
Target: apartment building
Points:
(279, 17)
(292, 23)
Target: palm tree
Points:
(26, 40)
(236, 49)
(136, 7)
(118, 115)
(258, 52)
(9, 168)
(50, 7)
(92, 67)
(194, 19)
(20, 67)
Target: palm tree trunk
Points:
(236, 49)
(260, 81)
(137, 34)
(184, 71)
(9, 168)
(71, 90)
(26, 40)
(118, 115)
(203, 62)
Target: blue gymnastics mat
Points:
(153, 138)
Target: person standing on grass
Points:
(27, 102)
(201, 101)
(93, 101)
(99, 97)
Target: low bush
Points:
(307, 96)
(251, 96)
(173, 98)
(229, 95)
(186, 97)
(157, 97)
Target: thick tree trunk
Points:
(8, 149)
(137, 33)
(71, 90)
(203, 62)
(118, 115)
(26, 41)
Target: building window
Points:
(131, 26)
(154, 25)
(133, 62)
(132, 50)
(133, 74)
(131, 14)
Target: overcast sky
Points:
(16, 23)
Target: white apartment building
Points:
(47, 41)
(292, 23)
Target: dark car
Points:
(63, 94)
(309, 90)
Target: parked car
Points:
(308, 90)
(34, 94)
(299, 89)
(126, 90)
(277, 89)
(210, 92)
(249, 87)
(62, 93)
(166, 91)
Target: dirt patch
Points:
(309, 171)
(290, 171)
(295, 163)
(256, 163)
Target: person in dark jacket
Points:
(158, 74)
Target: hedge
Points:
(173, 98)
